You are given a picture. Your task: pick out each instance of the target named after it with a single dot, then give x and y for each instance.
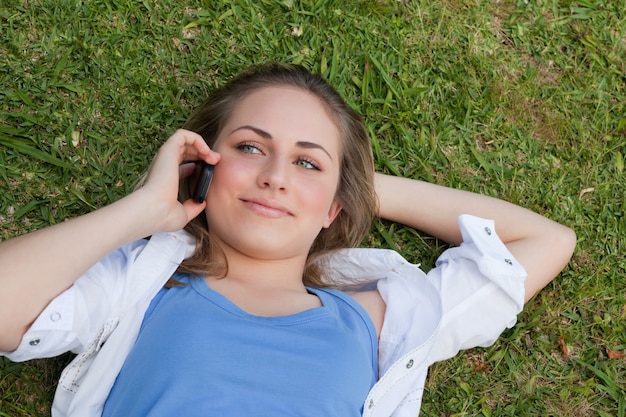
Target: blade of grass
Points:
(21, 147)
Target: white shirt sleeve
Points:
(481, 287)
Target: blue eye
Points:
(248, 148)
(305, 163)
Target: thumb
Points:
(193, 209)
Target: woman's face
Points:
(274, 188)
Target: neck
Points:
(264, 287)
(261, 273)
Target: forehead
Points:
(286, 110)
(281, 97)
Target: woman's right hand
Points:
(63, 252)
(162, 182)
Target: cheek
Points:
(227, 174)
(227, 182)
(318, 196)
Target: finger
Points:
(186, 143)
(181, 146)
(193, 208)
(195, 147)
(211, 158)
(187, 137)
(186, 169)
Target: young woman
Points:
(263, 305)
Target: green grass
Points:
(522, 100)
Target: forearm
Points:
(541, 245)
(434, 209)
(38, 266)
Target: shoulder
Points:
(373, 304)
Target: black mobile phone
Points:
(203, 176)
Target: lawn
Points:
(522, 100)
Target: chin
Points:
(267, 249)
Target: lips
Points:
(267, 207)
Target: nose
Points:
(274, 174)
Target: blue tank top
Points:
(198, 354)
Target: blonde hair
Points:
(355, 191)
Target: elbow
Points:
(563, 244)
(567, 241)
(14, 322)
(550, 259)
(11, 336)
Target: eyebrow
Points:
(266, 135)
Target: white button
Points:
(34, 342)
(371, 404)
(508, 261)
(488, 231)
(409, 364)
(56, 316)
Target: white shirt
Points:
(474, 292)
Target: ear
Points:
(333, 211)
